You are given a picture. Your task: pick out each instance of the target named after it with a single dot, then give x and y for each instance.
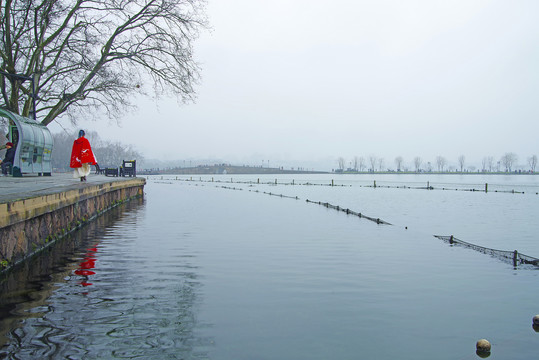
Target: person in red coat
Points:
(82, 157)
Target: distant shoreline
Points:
(432, 173)
(225, 169)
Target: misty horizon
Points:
(392, 78)
(330, 164)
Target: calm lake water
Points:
(214, 267)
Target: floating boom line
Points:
(513, 257)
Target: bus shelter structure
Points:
(33, 143)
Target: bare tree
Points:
(107, 153)
(112, 154)
(86, 54)
(380, 164)
(532, 160)
(3, 126)
(398, 162)
(490, 163)
(61, 152)
(361, 163)
(372, 160)
(484, 164)
(341, 163)
(356, 163)
(462, 161)
(417, 163)
(441, 162)
(508, 160)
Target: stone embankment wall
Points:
(29, 225)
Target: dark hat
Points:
(9, 144)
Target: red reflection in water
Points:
(86, 265)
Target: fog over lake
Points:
(312, 81)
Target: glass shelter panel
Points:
(47, 152)
(26, 148)
(33, 143)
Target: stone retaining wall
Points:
(27, 226)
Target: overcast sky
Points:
(321, 79)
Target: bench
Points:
(111, 171)
(98, 170)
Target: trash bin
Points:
(33, 145)
(129, 168)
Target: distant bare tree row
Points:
(532, 161)
(107, 153)
(507, 163)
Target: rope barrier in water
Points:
(325, 204)
(513, 257)
(430, 187)
(483, 187)
(349, 212)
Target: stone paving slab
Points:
(18, 188)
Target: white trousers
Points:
(84, 170)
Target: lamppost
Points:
(23, 78)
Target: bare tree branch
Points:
(87, 54)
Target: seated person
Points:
(8, 159)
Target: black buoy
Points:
(483, 348)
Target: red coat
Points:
(81, 153)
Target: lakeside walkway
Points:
(20, 188)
